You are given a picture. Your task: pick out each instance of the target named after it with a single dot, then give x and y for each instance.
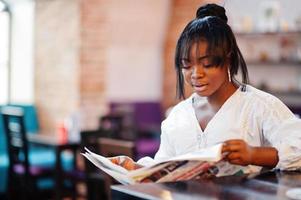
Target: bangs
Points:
(199, 31)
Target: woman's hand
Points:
(238, 152)
(125, 162)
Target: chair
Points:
(23, 177)
(109, 147)
(71, 178)
(112, 124)
(114, 147)
(31, 125)
(95, 180)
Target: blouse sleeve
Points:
(165, 150)
(283, 131)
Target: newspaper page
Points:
(188, 166)
(176, 171)
(184, 167)
(117, 172)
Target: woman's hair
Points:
(210, 25)
(211, 10)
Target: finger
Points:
(233, 141)
(226, 149)
(235, 162)
(115, 160)
(233, 156)
(129, 164)
(232, 148)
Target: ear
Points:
(227, 62)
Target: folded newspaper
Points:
(185, 167)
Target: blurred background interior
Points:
(100, 73)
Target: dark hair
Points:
(211, 10)
(211, 26)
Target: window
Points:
(4, 52)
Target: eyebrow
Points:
(200, 58)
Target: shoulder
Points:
(260, 96)
(264, 101)
(179, 111)
(181, 107)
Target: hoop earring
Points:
(229, 75)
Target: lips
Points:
(200, 87)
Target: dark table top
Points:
(50, 140)
(268, 185)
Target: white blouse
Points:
(255, 116)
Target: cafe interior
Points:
(100, 74)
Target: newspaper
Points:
(194, 165)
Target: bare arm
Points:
(265, 156)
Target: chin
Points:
(203, 93)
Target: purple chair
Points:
(141, 123)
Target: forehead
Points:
(198, 49)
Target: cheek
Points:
(187, 76)
(216, 75)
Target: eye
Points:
(208, 62)
(211, 61)
(186, 64)
(186, 67)
(209, 65)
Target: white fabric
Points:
(257, 117)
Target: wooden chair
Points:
(95, 180)
(109, 147)
(112, 124)
(114, 147)
(23, 177)
(70, 179)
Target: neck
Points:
(217, 99)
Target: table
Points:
(54, 143)
(265, 186)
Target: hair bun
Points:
(212, 10)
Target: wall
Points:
(125, 54)
(94, 52)
(57, 41)
(121, 53)
(135, 53)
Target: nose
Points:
(198, 72)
